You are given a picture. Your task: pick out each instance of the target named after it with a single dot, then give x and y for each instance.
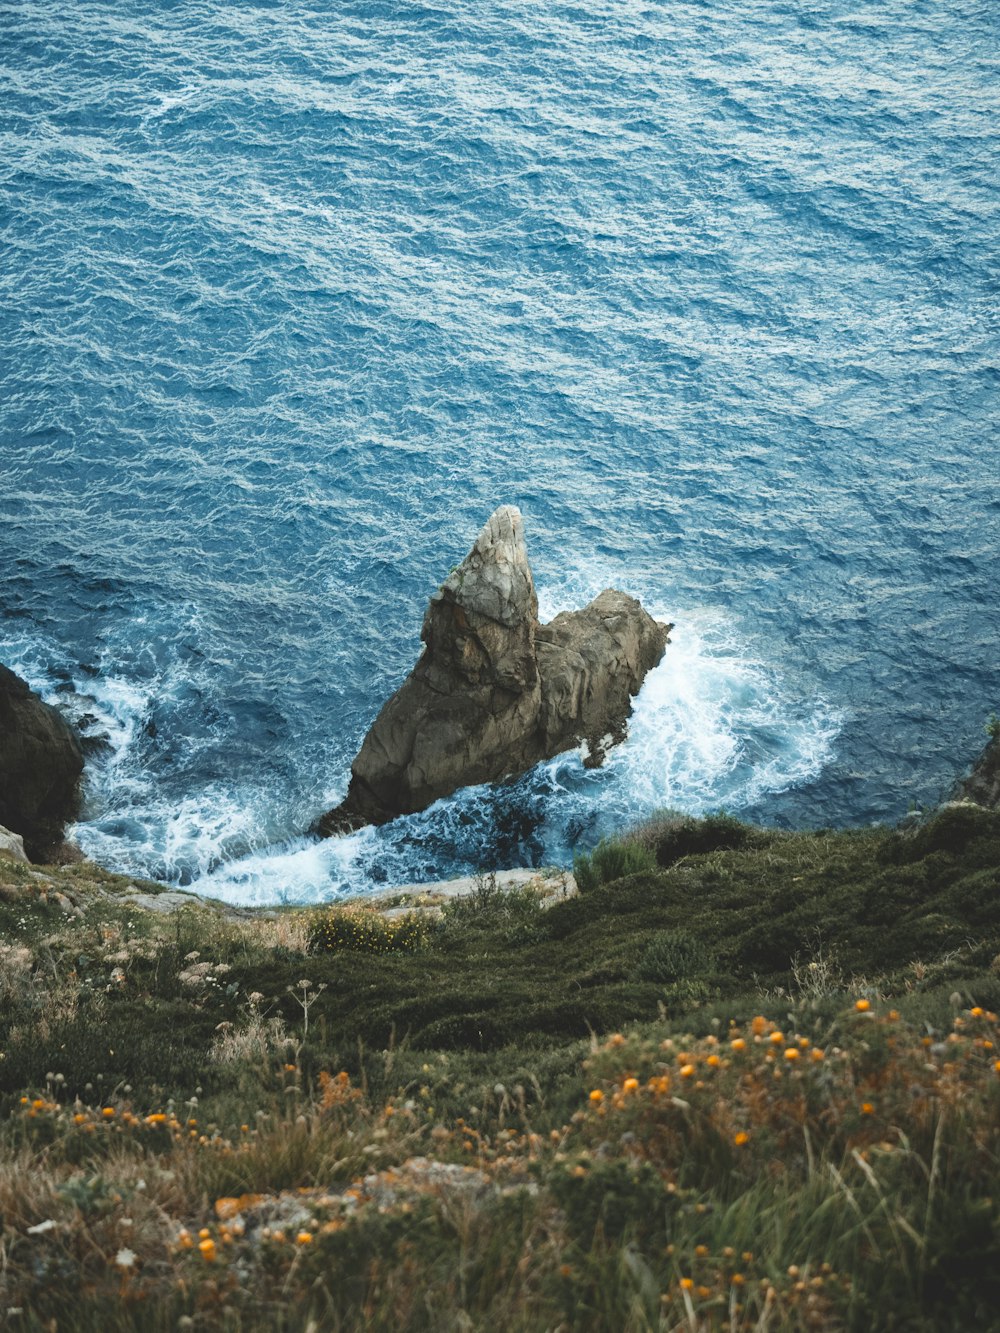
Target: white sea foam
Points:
(301, 870)
(713, 726)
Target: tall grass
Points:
(754, 1088)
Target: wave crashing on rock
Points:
(495, 692)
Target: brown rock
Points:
(983, 784)
(40, 767)
(494, 692)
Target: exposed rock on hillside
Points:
(40, 767)
(983, 783)
(495, 692)
(12, 845)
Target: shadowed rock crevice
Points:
(494, 692)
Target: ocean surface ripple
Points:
(293, 295)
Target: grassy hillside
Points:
(744, 1080)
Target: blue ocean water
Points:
(293, 295)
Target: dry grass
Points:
(203, 1124)
(748, 1180)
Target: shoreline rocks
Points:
(40, 767)
(12, 846)
(495, 692)
(982, 786)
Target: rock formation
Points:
(494, 692)
(40, 767)
(983, 784)
(12, 845)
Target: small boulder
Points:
(12, 846)
(40, 767)
(494, 692)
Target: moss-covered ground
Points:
(744, 1080)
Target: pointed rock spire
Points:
(494, 692)
(494, 580)
(480, 625)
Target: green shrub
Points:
(366, 931)
(959, 830)
(611, 859)
(670, 836)
(674, 955)
(515, 914)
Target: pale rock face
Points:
(494, 580)
(494, 692)
(480, 624)
(12, 846)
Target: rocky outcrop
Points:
(983, 784)
(40, 767)
(12, 846)
(494, 692)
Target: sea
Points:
(293, 295)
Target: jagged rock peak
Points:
(495, 692)
(494, 580)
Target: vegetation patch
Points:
(365, 931)
(754, 1088)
